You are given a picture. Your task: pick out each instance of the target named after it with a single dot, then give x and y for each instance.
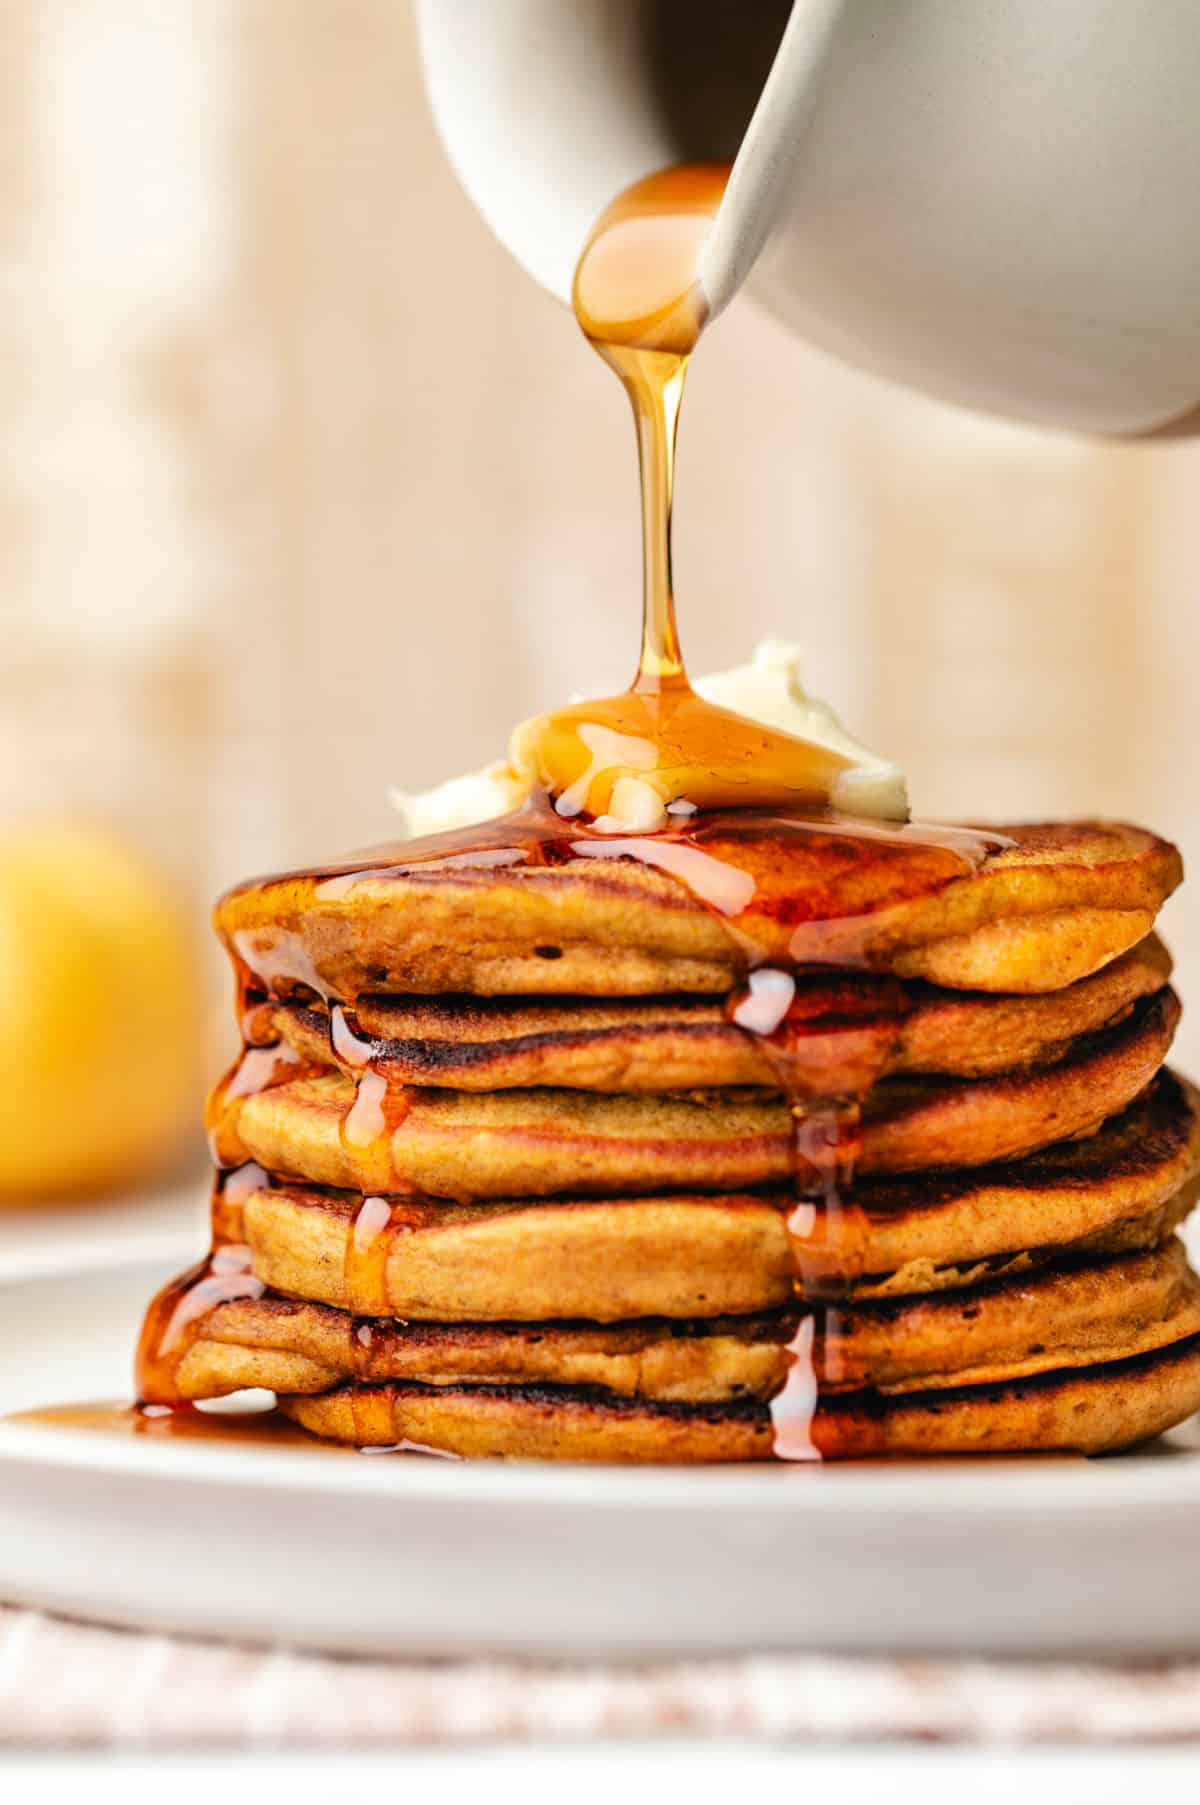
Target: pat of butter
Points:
(768, 689)
(461, 801)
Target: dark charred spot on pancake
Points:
(489, 1020)
(560, 875)
(439, 1055)
(436, 1055)
(292, 990)
(564, 1398)
(768, 1325)
(315, 1020)
(406, 1212)
(548, 952)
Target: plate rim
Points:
(982, 1485)
(986, 1486)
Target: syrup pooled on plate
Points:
(175, 1423)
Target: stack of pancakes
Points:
(502, 1177)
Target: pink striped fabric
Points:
(66, 1684)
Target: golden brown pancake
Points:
(509, 1182)
(695, 1255)
(1088, 1410)
(1058, 904)
(538, 1142)
(1013, 1327)
(1079, 1314)
(688, 1043)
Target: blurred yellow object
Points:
(98, 1015)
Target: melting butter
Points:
(769, 689)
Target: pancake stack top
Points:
(755, 1138)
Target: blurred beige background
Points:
(308, 492)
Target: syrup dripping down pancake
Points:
(1058, 903)
(540, 1142)
(1088, 1410)
(689, 1043)
(670, 848)
(695, 1255)
(1011, 1328)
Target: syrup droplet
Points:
(366, 1121)
(365, 1270)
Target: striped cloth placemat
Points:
(65, 1684)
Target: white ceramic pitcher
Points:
(997, 201)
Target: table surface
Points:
(603, 1771)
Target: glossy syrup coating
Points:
(734, 815)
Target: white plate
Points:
(403, 1554)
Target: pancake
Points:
(539, 1142)
(1059, 903)
(1089, 1410)
(695, 1255)
(1081, 1314)
(682, 1043)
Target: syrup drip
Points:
(368, 1248)
(377, 1112)
(225, 1275)
(259, 1068)
(367, 1129)
(825, 1076)
(346, 1041)
(366, 1121)
(249, 996)
(175, 1316)
(365, 1271)
(378, 1109)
